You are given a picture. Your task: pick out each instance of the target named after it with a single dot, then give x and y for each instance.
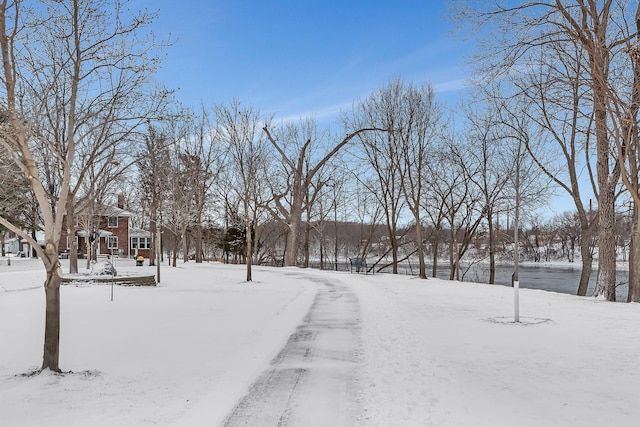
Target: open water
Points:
(563, 279)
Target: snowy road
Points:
(312, 381)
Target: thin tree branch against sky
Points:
(296, 58)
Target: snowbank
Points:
(153, 356)
(448, 354)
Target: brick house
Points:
(113, 235)
(139, 242)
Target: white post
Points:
(113, 268)
(516, 240)
(516, 301)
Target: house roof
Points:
(103, 233)
(114, 211)
(138, 232)
(39, 238)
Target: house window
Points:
(112, 242)
(140, 242)
(144, 243)
(69, 240)
(112, 222)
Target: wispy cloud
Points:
(323, 114)
(451, 85)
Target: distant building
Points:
(113, 235)
(15, 244)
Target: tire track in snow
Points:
(312, 381)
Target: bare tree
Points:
(239, 130)
(624, 105)
(417, 127)
(434, 203)
(600, 30)
(327, 176)
(329, 211)
(295, 145)
(367, 211)
(484, 149)
(569, 231)
(382, 154)
(153, 165)
(185, 167)
(14, 203)
(463, 201)
(200, 159)
(207, 158)
(66, 61)
(559, 104)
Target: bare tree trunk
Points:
(322, 249)
(256, 240)
(291, 256)
(335, 248)
(73, 255)
(185, 243)
(606, 281)
(249, 256)
(452, 243)
(175, 250)
(634, 258)
(89, 248)
(152, 229)
(71, 233)
(436, 243)
(421, 265)
(492, 249)
(51, 353)
(587, 261)
(394, 255)
(307, 231)
(198, 242)
(34, 252)
(631, 176)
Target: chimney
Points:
(121, 201)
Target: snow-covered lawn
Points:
(432, 353)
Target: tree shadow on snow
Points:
(37, 371)
(524, 321)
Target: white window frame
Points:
(75, 239)
(141, 242)
(110, 242)
(110, 221)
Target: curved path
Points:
(313, 380)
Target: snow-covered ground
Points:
(429, 353)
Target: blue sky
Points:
(297, 58)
